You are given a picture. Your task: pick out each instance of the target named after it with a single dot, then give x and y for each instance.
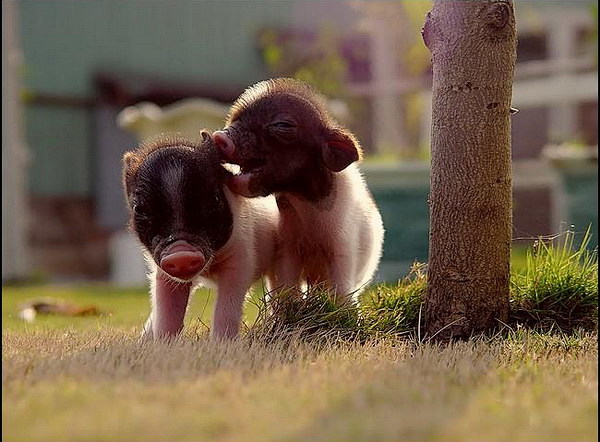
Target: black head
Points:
(178, 209)
(284, 139)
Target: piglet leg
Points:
(341, 274)
(169, 303)
(231, 292)
(288, 271)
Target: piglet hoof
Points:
(147, 335)
(145, 339)
(221, 334)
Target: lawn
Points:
(75, 379)
(126, 309)
(65, 385)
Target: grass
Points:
(124, 308)
(309, 370)
(554, 285)
(101, 385)
(559, 286)
(396, 308)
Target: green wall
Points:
(65, 42)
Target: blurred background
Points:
(83, 82)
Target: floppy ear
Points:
(340, 149)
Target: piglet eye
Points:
(283, 125)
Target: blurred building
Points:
(86, 61)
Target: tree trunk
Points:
(473, 47)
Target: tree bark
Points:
(473, 47)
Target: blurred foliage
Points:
(416, 57)
(326, 58)
(318, 58)
(315, 59)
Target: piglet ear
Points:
(340, 149)
(205, 135)
(130, 165)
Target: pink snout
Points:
(182, 261)
(224, 144)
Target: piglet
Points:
(283, 137)
(195, 231)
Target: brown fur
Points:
(286, 140)
(287, 87)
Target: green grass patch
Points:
(554, 285)
(123, 308)
(395, 308)
(313, 315)
(559, 286)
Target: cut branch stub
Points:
(498, 15)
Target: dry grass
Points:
(101, 385)
(309, 370)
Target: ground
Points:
(73, 379)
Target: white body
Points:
(337, 241)
(248, 254)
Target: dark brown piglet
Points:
(286, 143)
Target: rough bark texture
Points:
(473, 47)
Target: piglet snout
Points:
(224, 144)
(182, 261)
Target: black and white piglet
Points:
(195, 231)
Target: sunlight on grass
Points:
(553, 285)
(121, 308)
(306, 369)
(68, 386)
(395, 308)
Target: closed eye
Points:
(283, 125)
